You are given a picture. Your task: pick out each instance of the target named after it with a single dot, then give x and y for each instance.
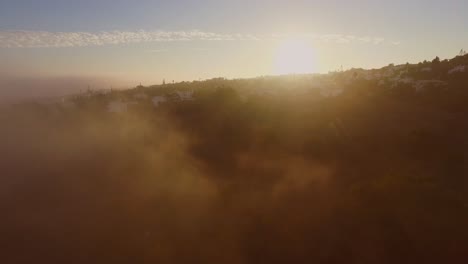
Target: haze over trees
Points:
(359, 166)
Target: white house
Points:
(459, 68)
(398, 80)
(185, 96)
(420, 86)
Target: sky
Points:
(129, 42)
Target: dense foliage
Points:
(267, 170)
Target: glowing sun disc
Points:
(294, 56)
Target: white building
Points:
(185, 96)
(459, 68)
(421, 86)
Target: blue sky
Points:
(364, 16)
(145, 40)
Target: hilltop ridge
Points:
(424, 78)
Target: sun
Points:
(294, 56)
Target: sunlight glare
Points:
(294, 56)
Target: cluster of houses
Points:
(458, 69)
(329, 86)
(393, 76)
(418, 85)
(121, 106)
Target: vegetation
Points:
(265, 170)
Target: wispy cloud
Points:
(176, 49)
(199, 49)
(157, 50)
(46, 39)
(344, 39)
(334, 38)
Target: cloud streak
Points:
(157, 51)
(46, 39)
(341, 39)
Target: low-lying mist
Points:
(349, 179)
(15, 88)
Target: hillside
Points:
(360, 166)
(446, 78)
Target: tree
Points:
(436, 60)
